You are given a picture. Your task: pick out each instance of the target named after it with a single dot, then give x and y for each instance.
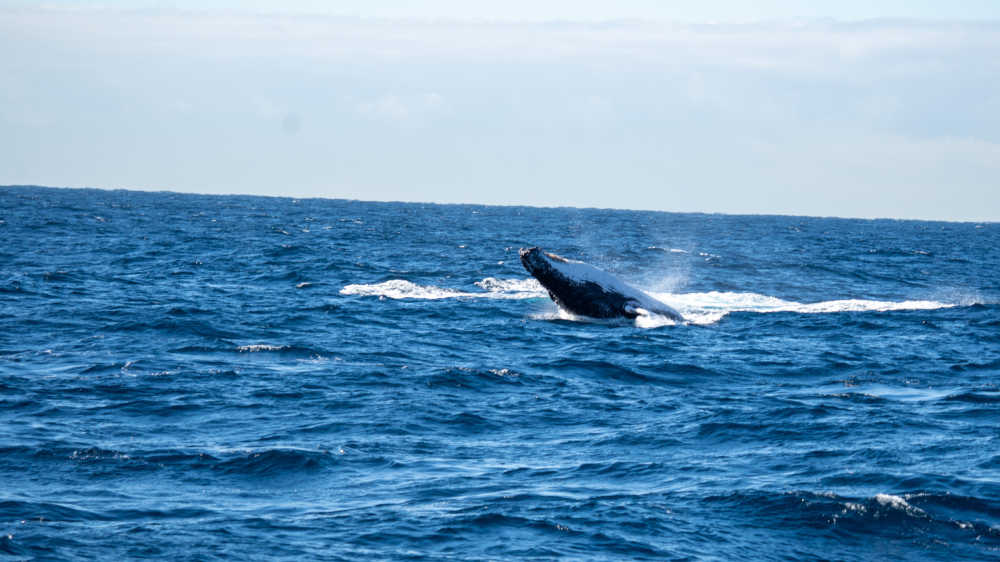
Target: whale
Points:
(584, 290)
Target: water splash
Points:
(492, 288)
(697, 308)
(712, 306)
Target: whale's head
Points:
(539, 263)
(546, 268)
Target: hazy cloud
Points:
(886, 118)
(393, 108)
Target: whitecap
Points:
(896, 502)
(257, 347)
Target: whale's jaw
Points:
(535, 261)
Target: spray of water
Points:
(697, 308)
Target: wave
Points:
(224, 346)
(291, 350)
(12, 510)
(272, 462)
(697, 308)
(473, 379)
(96, 461)
(960, 518)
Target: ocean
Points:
(200, 377)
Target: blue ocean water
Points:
(233, 377)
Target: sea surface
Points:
(194, 377)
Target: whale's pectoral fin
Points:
(632, 309)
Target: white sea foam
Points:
(896, 502)
(257, 347)
(402, 289)
(654, 320)
(491, 288)
(697, 308)
(671, 250)
(515, 288)
(707, 308)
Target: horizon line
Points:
(501, 205)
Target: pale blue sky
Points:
(766, 107)
(575, 10)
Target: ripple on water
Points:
(201, 377)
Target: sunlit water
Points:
(199, 377)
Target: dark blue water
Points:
(229, 377)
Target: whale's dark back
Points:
(584, 298)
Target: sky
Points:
(776, 107)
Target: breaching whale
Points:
(584, 290)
